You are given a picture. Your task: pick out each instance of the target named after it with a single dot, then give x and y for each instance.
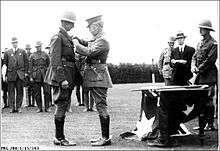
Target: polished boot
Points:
(59, 133)
(105, 140)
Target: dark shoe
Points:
(63, 142)
(47, 110)
(81, 105)
(157, 143)
(210, 127)
(101, 142)
(32, 106)
(39, 110)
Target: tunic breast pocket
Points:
(94, 74)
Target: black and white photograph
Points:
(109, 75)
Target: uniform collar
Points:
(206, 38)
(64, 32)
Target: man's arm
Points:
(210, 60)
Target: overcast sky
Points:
(137, 31)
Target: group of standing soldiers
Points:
(25, 69)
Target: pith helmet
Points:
(206, 24)
(69, 17)
(94, 20)
(28, 46)
(180, 34)
(14, 39)
(38, 44)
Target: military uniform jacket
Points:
(204, 59)
(96, 72)
(164, 63)
(62, 61)
(182, 72)
(17, 64)
(38, 64)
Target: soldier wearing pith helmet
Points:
(61, 74)
(203, 64)
(96, 74)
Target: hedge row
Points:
(133, 73)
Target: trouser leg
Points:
(47, 95)
(91, 101)
(210, 108)
(37, 94)
(61, 99)
(5, 97)
(100, 96)
(11, 94)
(78, 94)
(19, 93)
(86, 97)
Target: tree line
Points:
(133, 73)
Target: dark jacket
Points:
(204, 59)
(38, 64)
(17, 64)
(62, 61)
(182, 72)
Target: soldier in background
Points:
(16, 62)
(29, 85)
(203, 64)
(51, 102)
(39, 62)
(4, 83)
(164, 63)
(80, 60)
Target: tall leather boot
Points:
(59, 133)
(59, 124)
(105, 140)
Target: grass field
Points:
(31, 129)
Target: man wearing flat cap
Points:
(181, 58)
(96, 75)
(38, 64)
(164, 63)
(16, 61)
(203, 64)
(62, 74)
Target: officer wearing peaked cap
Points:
(62, 74)
(17, 68)
(203, 64)
(96, 75)
(38, 64)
